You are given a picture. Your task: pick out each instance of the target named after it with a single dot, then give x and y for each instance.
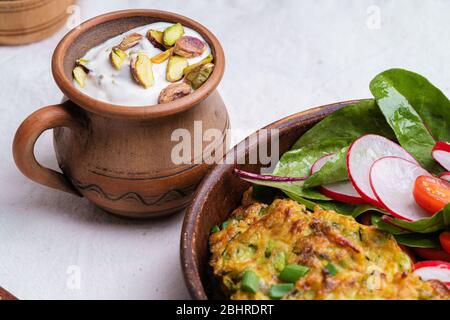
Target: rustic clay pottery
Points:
(25, 21)
(116, 156)
(5, 295)
(221, 192)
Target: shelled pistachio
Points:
(156, 39)
(117, 58)
(172, 34)
(194, 66)
(175, 68)
(174, 91)
(189, 47)
(129, 41)
(80, 75)
(198, 76)
(141, 69)
(163, 56)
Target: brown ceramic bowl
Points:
(5, 295)
(221, 192)
(120, 157)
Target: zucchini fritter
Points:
(344, 259)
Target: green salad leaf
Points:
(438, 221)
(339, 207)
(417, 111)
(382, 225)
(334, 170)
(294, 187)
(347, 124)
(419, 240)
(332, 134)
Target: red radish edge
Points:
(328, 191)
(441, 153)
(388, 208)
(433, 264)
(259, 177)
(445, 176)
(365, 197)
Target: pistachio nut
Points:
(172, 34)
(141, 69)
(173, 92)
(175, 68)
(189, 47)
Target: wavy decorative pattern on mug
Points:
(168, 196)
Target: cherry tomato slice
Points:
(432, 254)
(444, 239)
(431, 193)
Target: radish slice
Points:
(441, 153)
(259, 177)
(392, 180)
(445, 176)
(340, 191)
(433, 270)
(362, 153)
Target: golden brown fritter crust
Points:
(369, 264)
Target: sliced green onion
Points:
(277, 291)
(293, 272)
(225, 224)
(269, 249)
(215, 229)
(279, 261)
(331, 269)
(250, 281)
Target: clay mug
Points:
(119, 157)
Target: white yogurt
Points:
(108, 84)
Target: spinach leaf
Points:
(298, 162)
(334, 170)
(339, 207)
(418, 112)
(428, 101)
(330, 135)
(348, 124)
(419, 240)
(294, 187)
(437, 222)
(380, 224)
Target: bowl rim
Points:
(136, 112)
(188, 255)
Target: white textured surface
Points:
(282, 57)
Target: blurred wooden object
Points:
(25, 21)
(5, 295)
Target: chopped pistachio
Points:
(80, 76)
(175, 68)
(156, 39)
(194, 66)
(117, 58)
(129, 41)
(82, 62)
(189, 47)
(173, 92)
(197, 77)
(172, 34)
(141, 69)
(163, 56)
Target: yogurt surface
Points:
(108, 84)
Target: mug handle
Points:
(25, 139)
